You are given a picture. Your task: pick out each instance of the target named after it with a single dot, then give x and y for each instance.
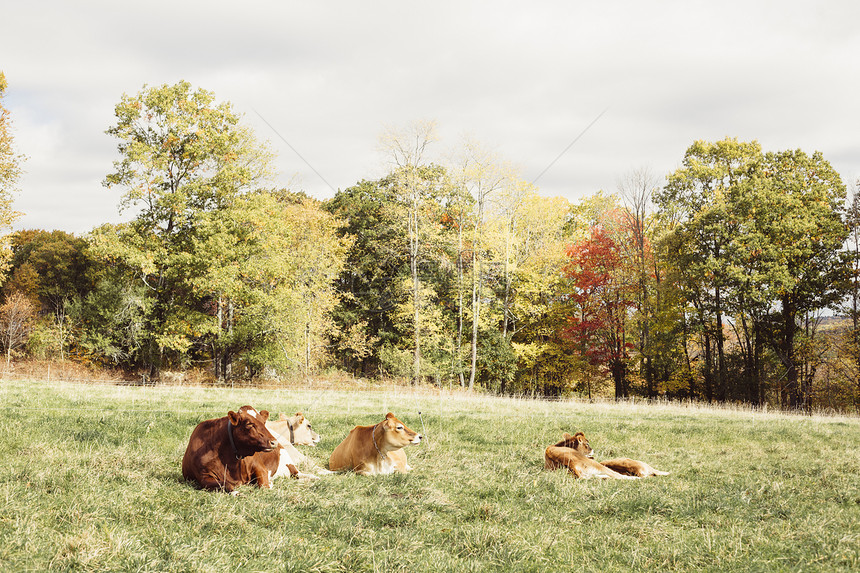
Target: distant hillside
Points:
(835, 322)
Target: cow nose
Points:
(273, 444)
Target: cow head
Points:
(249, 431)
(577, 442)
(302, 434)
(397, 435)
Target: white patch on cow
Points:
(386, 466)
(252, 412)
(283, 461)
(417, 439)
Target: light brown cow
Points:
(290, 457)
(575, 453)
(293, 431)
(222, 453)
(296, 430)
(376, 449)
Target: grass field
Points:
(90, 480)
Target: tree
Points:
(535, 296)
(850, 307)
(407, 150)
(52, 269)
(181, 156)
(16, 322)
(457, 218)
(800, 201)
(702, 196)
(636, 190)
(271, 292)
(755, 232)
(370, 285)
(602, 292)
(58, 261)
(482, 175)
(10, 171)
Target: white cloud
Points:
(524, 79)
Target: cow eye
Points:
(399, 427)
(309, 426)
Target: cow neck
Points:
(232, 443)
(373, 439)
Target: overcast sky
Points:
(523, 78)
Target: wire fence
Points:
(312, 392)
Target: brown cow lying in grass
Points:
(225, 453)
(575, 453)
(376, 449)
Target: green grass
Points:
(90, 480)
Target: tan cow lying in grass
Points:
(376, 449)
(225, 453)
(575, 453)
(296, 430)
(289, 431)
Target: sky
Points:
(577, 95)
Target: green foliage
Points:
(370, 286)
(110, 320)
(10, 172)
(497, 364)
(49, 266)
(185, 164)
(756, 232)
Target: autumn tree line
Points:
(736, 278)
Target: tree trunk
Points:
(460, 307)
(619, 378)
(227, 353)
(506, 302)
(709, 368)
(476, 314)
(789, 328)
(722, 374)
(216, 344)
(416, 286)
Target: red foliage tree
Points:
(603, 292)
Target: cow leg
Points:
(212, 483)
(261, 476)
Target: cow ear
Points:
(389, 415)
(579, 435)
(263, 415)
(299, 417)
(234, 417)
(567, 436)
(282, 417)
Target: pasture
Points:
(90, 480)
